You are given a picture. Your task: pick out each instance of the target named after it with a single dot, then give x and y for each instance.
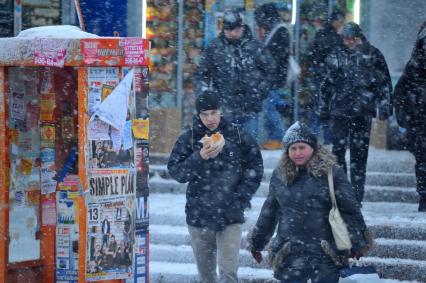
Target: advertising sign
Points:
(110, 224)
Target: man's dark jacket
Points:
(238, 71)
(277, 41)
(357, 84)
(220, 188)
(325, 41)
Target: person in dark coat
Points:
(299, 204)
(325, 41)
(222, 178)
(357, 87)
(410, 108)
(275, 37)
(236, 67)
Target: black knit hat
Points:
(299, 132)
(351, 29)
(337, 15)
(208, 100)
(267, 15)
(232, 19)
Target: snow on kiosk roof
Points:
(76, 47)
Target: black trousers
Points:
(418, 136)
(355, 133)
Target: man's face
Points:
(351, 42)
(210, 119)
(234, 34)
(261, 31)
(338, 25)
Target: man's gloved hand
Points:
(257, 256)
(356, 254)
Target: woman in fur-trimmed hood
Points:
(299, 204)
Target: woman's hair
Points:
(319, 165)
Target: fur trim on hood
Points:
(320, 163)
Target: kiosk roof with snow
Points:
(58, 46)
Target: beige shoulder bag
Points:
(338, 226)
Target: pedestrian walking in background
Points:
(223, 175)
(326, 40)
(238, 69)
(410, 108)
(357, 87)
(299, 204)
(276, 40)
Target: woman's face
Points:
(300, 153)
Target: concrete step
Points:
(372, 193)
(386, 248)
(380, 177)
(386, 220)
(403, 249)
(168, 272)
(172, 272)
(400, 269)
(379, 160)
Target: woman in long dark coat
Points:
(299, 204)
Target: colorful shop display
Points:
(74, 148)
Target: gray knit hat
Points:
(299, 132)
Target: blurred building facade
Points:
(101, 17)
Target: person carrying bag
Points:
(298, 209)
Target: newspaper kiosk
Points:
(73, 157)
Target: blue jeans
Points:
(274, 125)
(316, 126)
(250, 123)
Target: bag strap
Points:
(272, 33)
(331, 188)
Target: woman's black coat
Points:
(299, 211)
(220, 188)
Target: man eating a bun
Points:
(223, 167)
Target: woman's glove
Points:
(257, 256)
